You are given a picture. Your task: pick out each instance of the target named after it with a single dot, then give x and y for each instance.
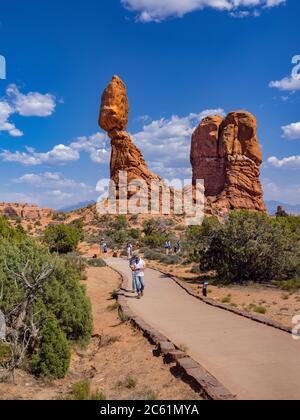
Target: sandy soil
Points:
(108, 367)
(280, 306)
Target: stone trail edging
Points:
(196, 374)
(257, 318)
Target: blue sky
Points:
(179, 59)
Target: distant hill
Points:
(289, 208)
(77, 206)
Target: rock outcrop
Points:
(25, 211)
(226, 154)
(113, 119)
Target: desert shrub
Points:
(180, 228)
(97, 262)
(248, 247)
(195, 269)
(119, 238)
(170, 259)
(151, 395)
(66, 298)
(120, 223)
(98, 396)
(8, 232)
(157, 227)
(292, 285)
(134, 234)
(75, 260)
(4, 352)
(129, 382)
(63, 238)
(61, 297)
(260, 310)
(154, 240)
(53, 356)
(81, 391)
(60, 216)
(107, 340)
(152, 254)
(134, 219)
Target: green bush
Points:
(249, 247)
(152, 254)
(81, 391)
(61, 297)
(63, 238)
(53, 356)
(170, 259)
(120, 223)
(4, 352)
(135, 234)
(74, 260)
(292, 285)
(97, 262)
(154, 240)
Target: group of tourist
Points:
(169, 247)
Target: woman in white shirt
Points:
(139, 269)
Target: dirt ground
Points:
(278, 305)
(123, 368)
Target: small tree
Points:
(63, 238)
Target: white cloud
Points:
(50, 180)
(291, 131)
(274, 191)
(95, 146)
(291, 162)
(51, 189)
(166, 143)
(61, 154)
(286, 84)
(33, 104)
(158, 10)
(5, 125)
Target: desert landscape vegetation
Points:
(65, 327)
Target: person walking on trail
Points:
(139, 269)
(168, 247)
(132, 263)
(105, 248)
(102, 243)
(129, 251)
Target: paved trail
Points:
(252, 360)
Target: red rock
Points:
(113, 118)
(25, 211)
(226, 154)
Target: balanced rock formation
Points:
(226, 154)
(114, 120)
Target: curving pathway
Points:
(252, 360)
